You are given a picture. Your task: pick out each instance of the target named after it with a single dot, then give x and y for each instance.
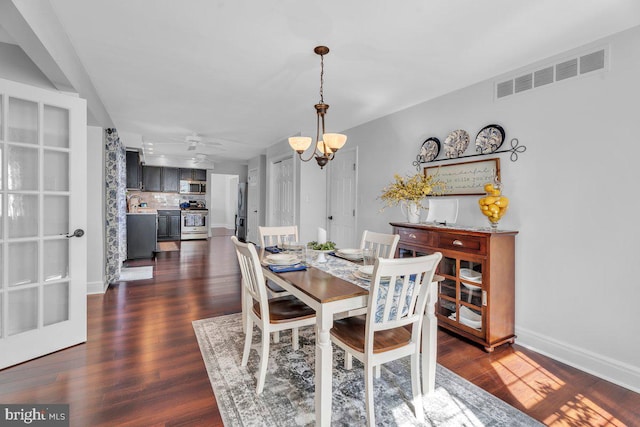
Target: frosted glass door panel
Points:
(1, 164)
(56, 215)
(56, 171)
(1, 133)
(23, 259)
(56, 260)
(22, 168)
(56, 127)
(56, 307)
(22, 121)
(23, 311)
(22, 213)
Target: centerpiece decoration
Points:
(494, 204)
(409, 191)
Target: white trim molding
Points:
(604, 367)
(96, 287)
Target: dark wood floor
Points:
(141, 365)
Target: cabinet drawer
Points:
(415, 237)
(470, 244)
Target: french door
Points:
(42, 215)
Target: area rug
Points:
(168, 247)
(288, 396)
(135, 273)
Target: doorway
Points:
(223, 204)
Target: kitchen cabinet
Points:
(160, 179)
(193, 174)
(151, 178)
(168, 225)
(134, 170)
(170, 180)
(141, 235)
(476, 299)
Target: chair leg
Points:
(294, 339)
(415, 386)
(276, 337)
(376, 371)
(368, 392)
(248, 335)
(348, 360)
(264, 361)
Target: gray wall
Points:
(572, 200)
(17, 66)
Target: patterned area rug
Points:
(288, 396)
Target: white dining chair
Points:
(398, 296)
(270, 315)
(384, 245)
(272, 236)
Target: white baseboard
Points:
(229, 226)
(96, 288)
(604, 367)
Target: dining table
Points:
(333, 288)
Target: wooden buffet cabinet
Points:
(478, 267)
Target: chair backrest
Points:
(271, 236)
(399, 291)
(252, 276)
(384, 245)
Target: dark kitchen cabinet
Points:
(134, 170)
(141, 236)
(168, 225)
(151, 178)
(193, 174)
(159, 179)
(170, 180)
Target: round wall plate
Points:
(456, 143)
(430, 149)
(489, 139)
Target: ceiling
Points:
(242, 75)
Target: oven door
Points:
(194, 225)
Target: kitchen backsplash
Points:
(163, 200)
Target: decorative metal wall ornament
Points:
(515, 150)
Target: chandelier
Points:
(324, 149)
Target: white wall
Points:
(572, 200)
(96, 282)
(17, 66)
(224, 200)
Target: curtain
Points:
(116, 205)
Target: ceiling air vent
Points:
(592, 62)
(543, 77)
(504, 88)
(523, 83)
(566, 69)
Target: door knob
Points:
(77, 233)
(331, 217)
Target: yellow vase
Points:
(493, 205)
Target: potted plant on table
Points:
(409, 191)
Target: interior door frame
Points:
(271, 162)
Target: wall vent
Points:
(565, 68)
(523, 83)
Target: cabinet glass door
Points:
(43, 275)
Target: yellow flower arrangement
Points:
(411, 189)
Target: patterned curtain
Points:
(116, 205)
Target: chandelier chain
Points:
(321, 79)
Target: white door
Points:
(253, 201)
(283, 186)
(342, 199)
(43, 280)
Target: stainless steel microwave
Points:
(193, 187)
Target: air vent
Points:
(505, 88)
(565, 68)
(543, 77)
(523, 83)
(592, 62)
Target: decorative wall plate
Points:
(489, 139)
(429, 150)
(456, 143)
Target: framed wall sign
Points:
(465, 178)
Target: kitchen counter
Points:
(136, 211)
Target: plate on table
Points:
(351, 254)
(280, 259)
(456, 143)
(489, 139)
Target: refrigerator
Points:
(241, 214)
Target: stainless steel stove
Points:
(194, 221)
